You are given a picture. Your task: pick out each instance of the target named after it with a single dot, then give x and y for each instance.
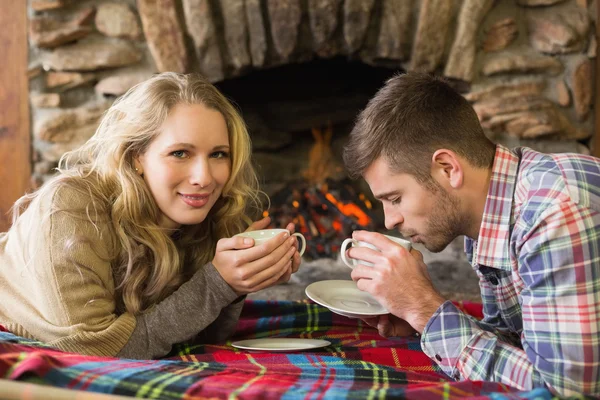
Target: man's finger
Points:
(372, 321)
(363, 272)
(416, 254)
(364, 254)
(383, 325)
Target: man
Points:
(531, 223)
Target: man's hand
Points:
(399, 280)
(389, 325)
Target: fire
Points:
(351, 210)
(325, 214)
(324, 206)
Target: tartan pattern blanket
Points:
(359, 364)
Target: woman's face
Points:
(187, 164)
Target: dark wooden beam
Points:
(15, 142)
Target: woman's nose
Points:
(201, 174)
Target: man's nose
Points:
(393, 219)
(201, 174)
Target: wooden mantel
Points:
(15, 142)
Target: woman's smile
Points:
(195, 200)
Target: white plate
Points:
(344, 298)
(280, 344)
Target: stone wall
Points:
(526, 65)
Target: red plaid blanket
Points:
(358, 364)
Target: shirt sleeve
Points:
(559, 282)
(203, 302)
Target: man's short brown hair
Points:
(410, 117)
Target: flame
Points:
(337, 225)
(350, 210)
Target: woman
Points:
(129, 249)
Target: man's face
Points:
(426, 215)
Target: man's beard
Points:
(445, 222)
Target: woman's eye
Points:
(220, 154)
(178, 153)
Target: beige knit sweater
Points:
(61, 291)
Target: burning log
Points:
(325, 214)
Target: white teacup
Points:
(351, 262)
(262, 235)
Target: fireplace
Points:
(300, 70)
(298, 129)
(299, 115)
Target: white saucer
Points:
(344, 298)
(347, 315)
(280, 344)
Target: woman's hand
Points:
(296, 259)
(260, 224)
(248, 268)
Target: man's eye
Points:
(395, 202)
(178, 153)
(220, 154)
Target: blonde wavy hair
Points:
(151, 263)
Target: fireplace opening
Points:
(299, 117)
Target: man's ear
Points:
(447, 168)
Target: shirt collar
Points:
(492, 247)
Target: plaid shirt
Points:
(538, 261)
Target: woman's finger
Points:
(296, 260)
(291, 227)
(263, 250)
(260, 224)
(270, 275)
(234, 243)
(258, 263)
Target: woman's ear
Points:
(137, 165)
(447, 168)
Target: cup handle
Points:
(345, 244)
(303, 240)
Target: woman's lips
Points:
(195, 200)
